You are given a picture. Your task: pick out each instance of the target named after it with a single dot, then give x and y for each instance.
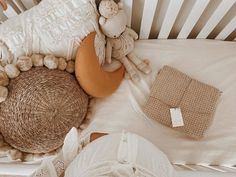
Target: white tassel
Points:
(72, 145)
(5, 55)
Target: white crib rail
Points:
(170, 17)
(198, 13)
(194, 16)
(148, 15)
(218, 14)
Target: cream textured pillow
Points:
(52, 27)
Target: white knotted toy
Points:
(120, 39)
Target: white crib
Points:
(162, 19)
(166, 19)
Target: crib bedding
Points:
(209, 61)
(212, 62)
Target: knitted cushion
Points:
(196, 100)
(41, 108)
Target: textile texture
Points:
(174, 89)
(52, 27)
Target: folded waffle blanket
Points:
(183, 103)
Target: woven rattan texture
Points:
(41, 108)
(174, 89)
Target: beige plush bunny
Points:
(120, 39)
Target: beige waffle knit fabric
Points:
(174, 89)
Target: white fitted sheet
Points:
(210, 61)
(213, 62)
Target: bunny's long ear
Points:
(102, 20)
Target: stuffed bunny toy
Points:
(120, 39)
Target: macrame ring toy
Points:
(39, 106)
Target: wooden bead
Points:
(70, 68)
(24, 63)
(15, 154)
(62, 64)
(37, 60)
(51, 62)
(4, 149)
(12, 71)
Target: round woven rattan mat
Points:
(41, 108)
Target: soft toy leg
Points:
(113, 66)
(129, 68)
(140, 64)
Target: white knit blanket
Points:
(52, 27)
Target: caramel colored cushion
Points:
(92, 78)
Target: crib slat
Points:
(229, 28)
(19, 4)
(219, 13)
(147, 19)
(193, 17)
(170, 17)
(128, 6)
(10, 12)
(29, 3)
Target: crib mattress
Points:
(209, 61)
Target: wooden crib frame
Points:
(219, 23)
(163, 19)
(171, 27)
